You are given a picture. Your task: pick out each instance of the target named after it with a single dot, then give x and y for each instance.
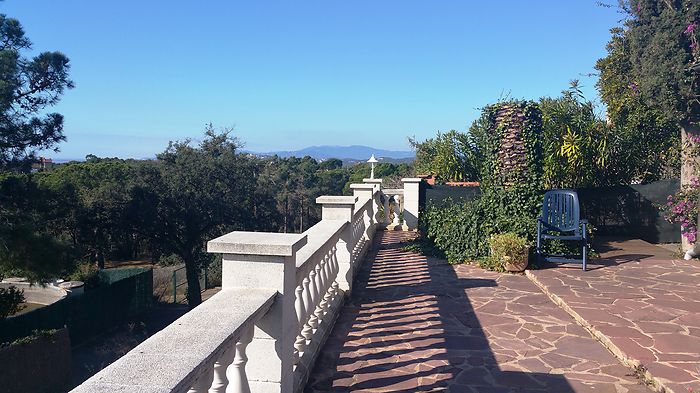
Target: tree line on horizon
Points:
(107, 209)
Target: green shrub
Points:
(11, 300)
(461, 231)
(507, 244)
(35, 335)
(88, 273)
(504, 245)
(170, 260)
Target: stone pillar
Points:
(377, 183)
(411, 196)
(378, 206)
(342, 208)
(255, 260)
(337, 207)
(364, 192)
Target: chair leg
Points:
(538, 250)
(585, 247)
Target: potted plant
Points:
(510, 250)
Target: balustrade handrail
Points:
(281, 293)
(318, 237)
(185, 352)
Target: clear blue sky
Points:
(289, 74)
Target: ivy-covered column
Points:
(512, 145)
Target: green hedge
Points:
(125, 294)
(461, 230)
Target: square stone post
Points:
(255, 260)
(378, 205)
(377, 183)
(411, 195)
(364, 192)
(342, 208)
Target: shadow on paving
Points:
(409, 327)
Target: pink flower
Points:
(690, 235)
(691, 28)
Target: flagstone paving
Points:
(647, 311)
(418, 324)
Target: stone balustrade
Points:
(281, 294)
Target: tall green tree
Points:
(28, 247)
(28, 86)
(655, 59)
(575, 142)
(90, 207)
(192, 194)
(448, 156)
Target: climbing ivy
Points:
(509, 144)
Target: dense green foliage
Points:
(506, 245)
(650, 82)
(510, 194)
(651, 60)
(580, 149)
(28, 246)
(448, 156)
(575, 141)
(28, 87)
(647, 137)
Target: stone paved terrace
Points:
(646, 310)
(418, 324)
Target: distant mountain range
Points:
(348, 153)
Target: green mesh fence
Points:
(124, 294)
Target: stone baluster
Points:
(236, 374)
(313, 286)
(204, 382)
(320, 284)
(307, 331)
(411, 201)
(220, 380)
(253, 260)
(335, 274)
(387, 209)
(369, 225)
(397, 209)
(325, 273)
(300, 343)
(341, 208)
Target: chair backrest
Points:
(561, 211)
